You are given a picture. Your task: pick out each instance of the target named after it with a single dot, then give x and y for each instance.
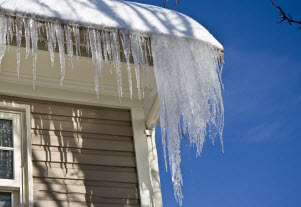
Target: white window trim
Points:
(16, 122)
(22, 194)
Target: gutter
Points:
(153, 115)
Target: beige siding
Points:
(82, 155)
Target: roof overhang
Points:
(122, 15)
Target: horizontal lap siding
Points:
(82, 155)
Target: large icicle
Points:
(60, 40)
(189, 90)
(3, 30)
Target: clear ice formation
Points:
(187, 71)
(190, 98)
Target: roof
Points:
(113, 14)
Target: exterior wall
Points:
(82, 155)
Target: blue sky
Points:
(261, 165)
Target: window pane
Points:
(5, 199)
(6, 133)
(6, 164)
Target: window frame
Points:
(21, 188)
(14, 197)
(17, 137)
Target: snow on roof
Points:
(113, 14)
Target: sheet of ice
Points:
(114, 14)
(190, 100)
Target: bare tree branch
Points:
(164, 3)
(183, 135)
(176, 4)
(286, 17)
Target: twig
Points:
(286, 17)
(176, 4)
(183, 135)
(165, 2)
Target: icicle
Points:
(60, 39)
(145, 63)
(115, 46)
(19, 24)
(69, 44)
(3, 30)
(39, 28)
(189, 94)
(49, 36)
(105, 39)
(76, 36)
(126, 44)
(104, 44)
(99, 56)
(43, 25)
(108, 45)
(10, 27)
(138, 57)
(109, 49)
(86, 36)
(149, 47)
(27, 35)
(93, 44)
(53, 35)
(34, 45)
(147, 55)
(144, 51)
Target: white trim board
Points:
(142, 162)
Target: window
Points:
(10, 158)
(15, 156)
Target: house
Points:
(79, 102)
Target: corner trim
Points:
(142, 160)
